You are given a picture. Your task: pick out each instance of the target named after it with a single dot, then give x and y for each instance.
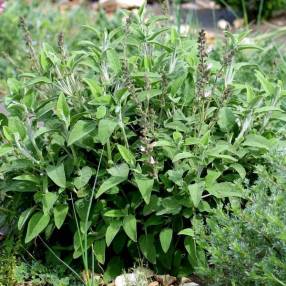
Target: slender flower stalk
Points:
(203, 71)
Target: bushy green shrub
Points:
(255, 7)
(248, 247)
(113, 149)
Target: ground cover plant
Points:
(247, 247)
(115, 151)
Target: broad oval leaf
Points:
(99, 250)
(196, 191)
(147, 247)
(48, 200)
(111, 231)
(60, 213)
(80, 130)
(57, 175)
(38, 222)
(130, 227)
(108, 184)
(105, 129)
(63, 110)
(187, 232)
(84, 176)
(24, 217)
(126, 155)
(166, 236)
(145, 187)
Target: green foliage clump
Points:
(255, 8)
(116, 150)
(248, 247)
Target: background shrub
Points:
(268, 7)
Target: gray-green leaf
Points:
(147, 247)
(60, 213)
(145, 187)
(126, 155)
(196, 191)
(57, 175)
(63, 110)
(111, 231)
(105, 129)
(99, 250)
(130, 227)
(80, 130)
(84, 176)
(166, 235)
(108, 184)
(24, 217)
(226, 119)
(38, 222)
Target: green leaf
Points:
(38, 222)
(29, 178)
(157, 33)
(62, 110)
(94, 86)
(226, 119)
(57, 175)
(211, 177)
(115, 213)
(223, 190)
(126, 155)
(266, 84)
(257, 141)
(147, 247)
(99, 250)
(121, 170)
(60, 213)
(84, 176)
(130, 227)
(48, 201)
(191, 248)
(196, 191)
(5, 149)
(113, 60)
(145, 187)
(100, 112)
(183, 155)
(114, 268)
(40, 79)
(24, 217)
(105, 129)
(166, 236)
(239, 169)
(111, 231)
(80, 130)
(187, 232)
(15, 125)
(108, 184)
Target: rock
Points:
(190, 284)
(185, 280)
(131, 279)
(166, 280)
(112, 5)
(223, 24)
(238, 23)
(154, 283)
(210, 37)
(126, 280)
